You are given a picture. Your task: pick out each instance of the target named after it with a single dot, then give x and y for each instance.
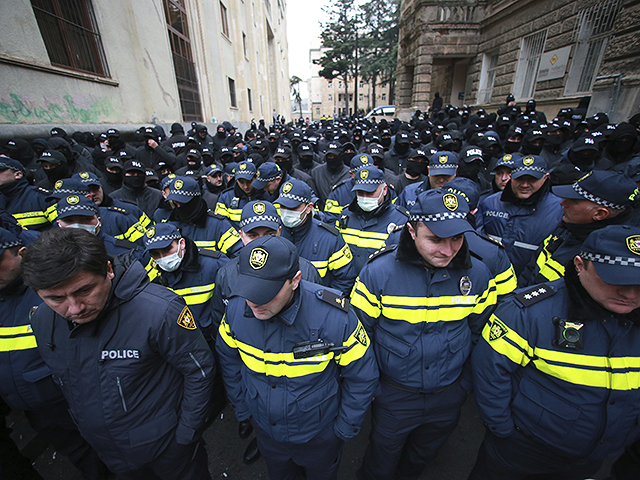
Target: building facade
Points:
(555, 51)
(142, 61)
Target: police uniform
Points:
(137, 379)
(302, 408)
(422, 329)
(556, 374)
(231, 201)
(342, 194)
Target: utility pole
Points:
(355, 76)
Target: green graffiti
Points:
(18, 109)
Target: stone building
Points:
(555, 51)
(141, 61)
(327, 97)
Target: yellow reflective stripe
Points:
(19, 330)
(137, 230)
(27, 219)
(357, 344)
(17, 343)
(332, 206)
(221, 209)
(228, 239)
(206, 244)
(195, 295)
(152, 270)
(548, 267)
(488, 298)
(225, 333)
(52, 212)
(506, 282)
(511, 345)
(234, 214)
(364, 239)
(321, 266)
(341, 258)
(364, 300)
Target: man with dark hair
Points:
(127, 354)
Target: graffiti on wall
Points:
(16, 108)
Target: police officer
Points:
(342, 194)
(367, 222)
(596, 200)
(311, 373)
(320, 243)
(524, 213)
(127, 354)
(423, 302)
(232, 200)
(554, 371)
(442, 169)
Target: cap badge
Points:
(58, 184)
(465, 285)
(364, 159)
(443, 159)
(528, 161)
(450, 201)
(633, 244)
(178, 184)
(258, 174)
(286, 188)
(259, 208)
(364, 174)
(243, 166)
(84, 175)
(73, 200)
(258, 258)
(151, 232)
(507, 157)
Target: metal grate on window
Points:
(530, 53)
(596, 20)
(70, 34)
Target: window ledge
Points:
(18, 62)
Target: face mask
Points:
(334, 164)
(306, 162)
(402, 148)
(291, 219)
(554, 140)
(531, 149)
(58, 172)
(136, 182)
(170, 263)
(511, 147)
(386, 141)
(286, 165)
(416, 168)
(92, 229)
(115, 178)
(369, 204)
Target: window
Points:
(70, 34)
(351, 97)
(360, 97)
(340, 95)
(330, 98)
(185, 68)
(530, 52)
(361, 84)
(224, 19)
(330, 84)
(249, 99)
(317, 111)
(592, 31)
(340, 84)
(487, 76)
(384, 97)
(232, 92)
(244, 45)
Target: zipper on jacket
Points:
(124, 404)
(198, 364)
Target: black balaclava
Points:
(402, 148)
(61, 170)
(511, 147)
(334, 164)
(416, 168)
(134, 182)
(385, 142)
(285, 164)
(114, 178)
(306, 162)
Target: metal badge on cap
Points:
(258, 258)
(633, 244)
(259, 208)
(450, 201)
(286, 188)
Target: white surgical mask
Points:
(169, 263)
(89, 228)
(291, 218)
(369, 204)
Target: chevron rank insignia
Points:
(186, 320)
(535, 294)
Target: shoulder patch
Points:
(186, 320)
(213, 214)
(497, 329)
(534, 294)
(334, 299)
(330, 228)
(209, 253)
(381, 252)
(124, 244)
(403, 210)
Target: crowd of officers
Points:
(305, 272)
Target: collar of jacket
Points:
(14, 188)
(510, 197)
(408, 253)
(15, 288)
(195, 214)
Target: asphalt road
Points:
(225, 449)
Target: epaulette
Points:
(334, 299)
(42, 190)
(490, 239)
(124, 244)
(534, 294)
(392, 187)
(330, 228)
(403, 211)
(397, 228)
(118, 209)
(341, 183)
(209, 253)
(213, 214)
(380, 252)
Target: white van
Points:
(383, 111)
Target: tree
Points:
(294, 83)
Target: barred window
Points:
(528, 63)
(70, 34)
(591, 33)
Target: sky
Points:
(303, 33)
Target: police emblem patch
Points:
(186, 320)
(497, 330)
(84, 175)
(151, 232)
(450, 201)
(286, 188)
(243, 166)
(391, 227)
(258, 258)
(364, 159)
(364, 174)
(58, 184)
(178, 184)
(465, 285)
(259, 208)
(73, 200)
(633, 244)
(361, 335)
(443, 159)
(528, 161)
(258, 174)
(507, 157)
